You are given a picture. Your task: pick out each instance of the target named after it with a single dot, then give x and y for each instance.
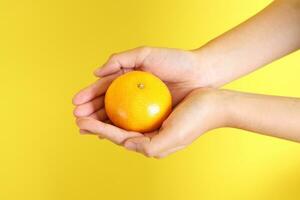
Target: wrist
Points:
(224, 107)
(218, 104)
(206, 68)
(217, 65)
(231, 107)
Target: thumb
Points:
(124, 61)
(152, 146)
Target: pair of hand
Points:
(195, 110)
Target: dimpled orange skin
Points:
(138, 101)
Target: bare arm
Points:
(269, 35)
(270, 115)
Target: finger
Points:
(96, 89)
(90, 107)
(107, 121)
(131, 143)
(85, 132)
(100, 115)
(152, 146)
(168, 152)
(151, 134)
(161, 142)
(110, 132)
(125, 61)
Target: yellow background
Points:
(48, 50)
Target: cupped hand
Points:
(201, 111)
(180, 70)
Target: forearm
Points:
(269, 35)
(270, 115)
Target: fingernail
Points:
(75, 112)
(130, 145)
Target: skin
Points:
(203, 110)
(238, 52)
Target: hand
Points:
(180, 70)
(201, 111)
(89, 101)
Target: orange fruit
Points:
(138, 101)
